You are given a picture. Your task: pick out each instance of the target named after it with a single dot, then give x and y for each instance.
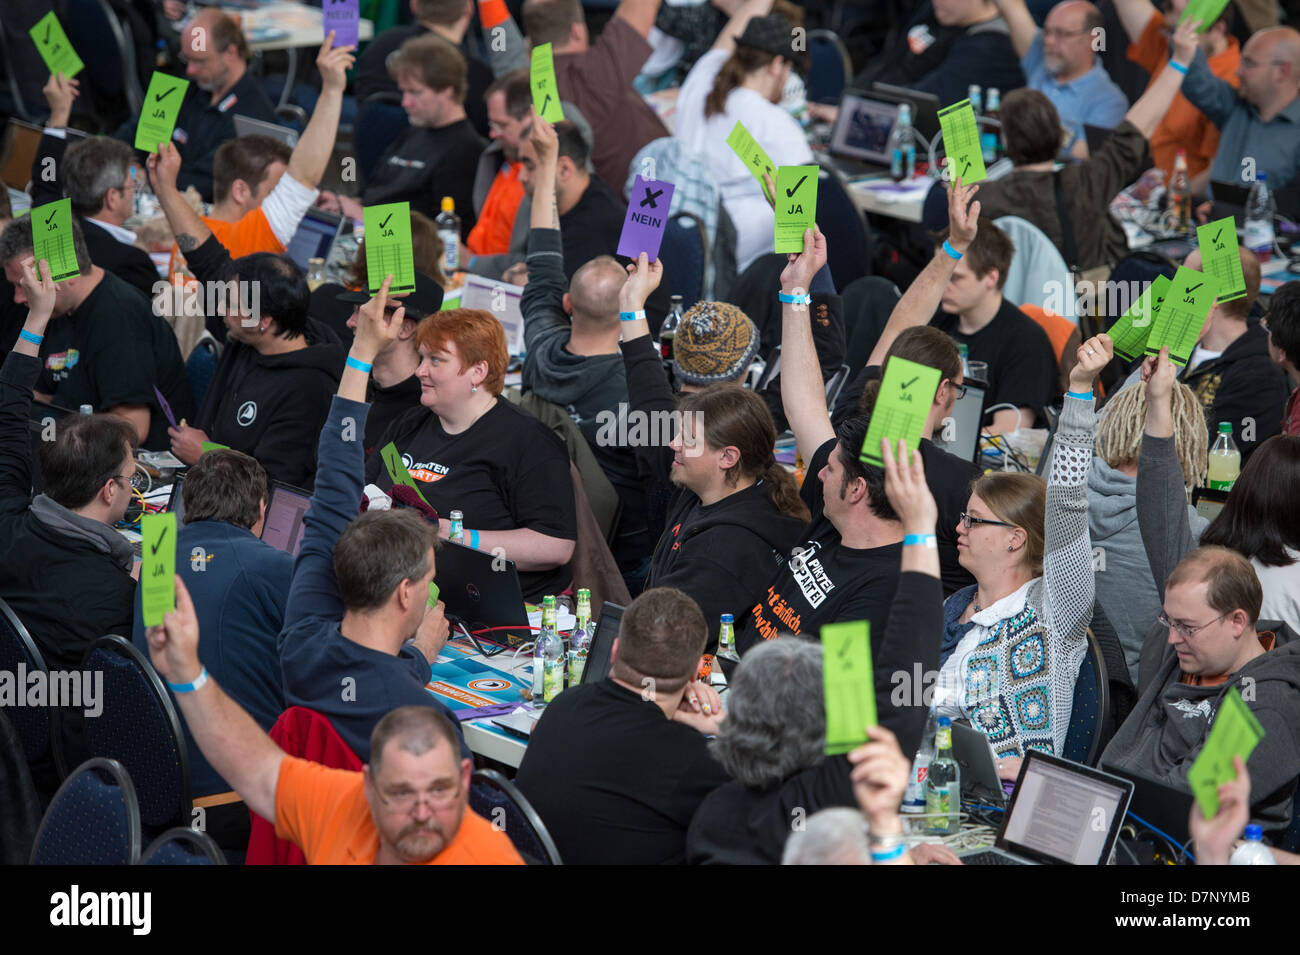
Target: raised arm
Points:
(922, 298)
(1020, 23)
(16, 381)
(186, 224)
(510, 53)
(803, 393)
(316, 145)
(238, 749)
(542, 304)
(1161, 494)
(640, 14)
(1152, 105)
(1134, 15)
(736, 25)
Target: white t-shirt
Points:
(1200, 355)
(772, 127)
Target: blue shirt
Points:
(1092, 99)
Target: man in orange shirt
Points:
(409, 805)
(497, 189)
(1184, 126)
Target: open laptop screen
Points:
(284, 527)
(960, 434)
(1064, 812)
(314, 238)
(598, 661)
(862, 129)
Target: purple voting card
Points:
(344, 18)
(166, 408)
(647, 217)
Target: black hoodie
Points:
(1241, 385)
(274, 406)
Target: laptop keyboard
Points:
(990, 858)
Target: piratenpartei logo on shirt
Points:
(810, 575)
(247, 413)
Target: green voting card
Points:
(1207, 11)
(54, 47)
(1131, 331)
(1235, 732)
(1181, 317)
(158, 569)
(52, 238)
(388, 247)
(848, 685)
(213, 446)
(396, 468)
(162, 104)
(796, 206)
(755, 158)
(1221, 258)
(433, 594)
(903, 404)
(961, 143)
(541, 78)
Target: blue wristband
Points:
(947, 247)
(1081, 395)
(1179, 67)
(190, 687)
(473, 539)
(27, 336)
(923, 540)
(637, 316)
(889, 855)
(804, 299)
(359, 365)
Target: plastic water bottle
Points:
(456, 533)
(580, 639)
(548, 658)
(727, 637)
(1252, 851)
(902, 148)
(668, 331)
(973, 94)
(448, 225)
(990, 142)
(86, 409)
(1259, 219)
(1180, 193)
(1224, 465)
(943, 784)
(914, 798)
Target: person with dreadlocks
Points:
(1126, 591)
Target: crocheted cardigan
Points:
(1013, 673)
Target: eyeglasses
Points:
(960, 389)
(444, 794)
(1182, 628)
(967, 521)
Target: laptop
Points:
(176, 500)
(1158, 804)
(1061, 813)
(315, 236)
(482, 591)
(247, 126)
(1208, 502)
(925, 106)
(283, 527)
(860, 138)
(979, 766)
(602, 642)
(21, 143)
(966, 420)
(502, 300)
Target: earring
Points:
(1010, 548)
(473, 389)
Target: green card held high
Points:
(961, 143)
(52, 239)
(55, 49)
(902, 405)
(1235, 732)
(541, 78)
(796, 205)
(388, 247)
(1221, 258)
(848, 685)
(1207, 11)
(1182, 315)
(158, 566)
(162, 104)
(1131, 331)
(754, 156)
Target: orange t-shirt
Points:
(325, 813)
(496, 222)
(252, 233)
(1184, 126)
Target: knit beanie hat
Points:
(714, 342)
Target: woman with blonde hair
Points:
(1126, 592)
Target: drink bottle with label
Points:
(580, 640)
(668, 330)
(548, 658)
(943, 784)
(448, 226)
(990, 143)
(914, 798)
(902, 148)
(727, 638)
(457, 532)
(1260, 207)
(1225, 460)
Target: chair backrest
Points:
(380, 120)
(180, 846)
(200, 368)
(500, 802)
(1089, 722)
(685, 255)
(107, 47)
(93, 819)
(18, 649)
(1037, 266)
(829, 67)
(847, 238)
(140, 728)
(22, 805)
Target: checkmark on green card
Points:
(1182, 315)
(1235, 732)
(902, 405)
(55, 49)
(755, 158)
(961, 143)
(1221, 257)
(162, 104)
(848, 684)
(388, 247)
(396, 468)
(158, 568)
(796, 205)
(1131, 331)
(52, 239)
(541, 80)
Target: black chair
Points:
(140, 728)
(1090, 726)
(33, 724)
(94, 819)
(685, 255)
(201, 366)
(182, 846)
(107, 47)
(829, 67)
(500, 802)
(380, 120)
(21, 812)
(847, 237)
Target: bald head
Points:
(594, 291)
(1270, 70)
(1067, 39)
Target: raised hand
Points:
(164, 166)
(377, 328)
(879, 776)
(963, 215)
(1093, 355)
(334, 63)
(544, 141)
(1185, 40)
(643, 277)
(39, 290)
(174, 646)
(907, 490)
(1215, 837)
(800, 269)
(59, 93)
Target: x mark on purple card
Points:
(344, 18)
(647, 217)
(167, 409)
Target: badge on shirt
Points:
(226, 103)
(63, 361)
(919, 39)
(180, 136)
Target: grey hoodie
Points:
(1126, 589)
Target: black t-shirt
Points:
(506, 471)
(387, 405)
(614, 779)
(1022, 365)
(426, 164)
(592, 227)
(112, 350)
